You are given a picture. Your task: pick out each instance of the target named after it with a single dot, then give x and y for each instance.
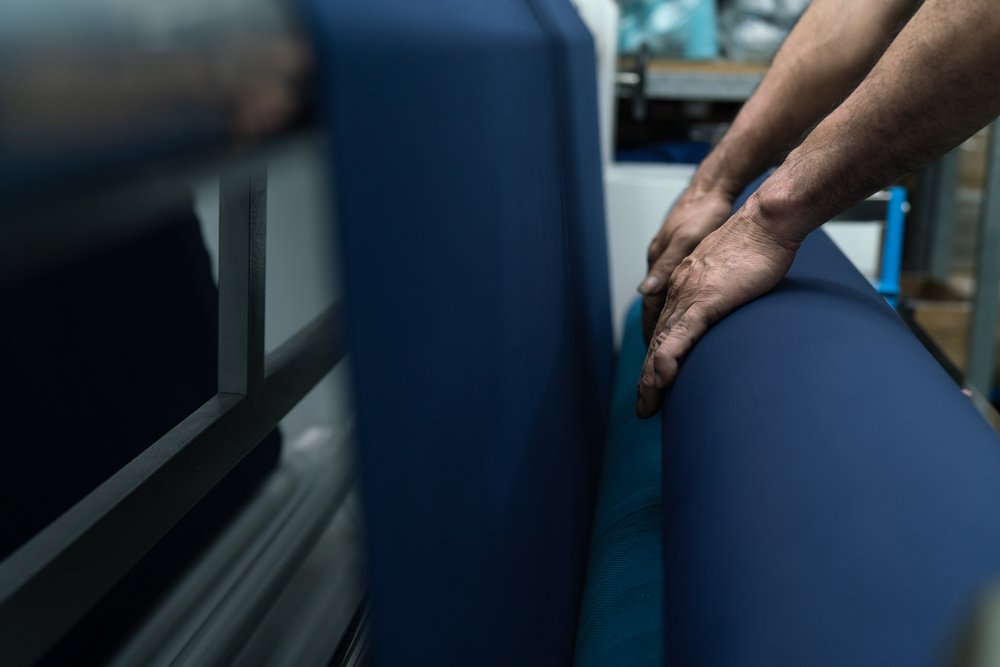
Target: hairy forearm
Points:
(829, 51)
(934, 86)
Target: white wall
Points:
(601, 17)
(861, 242)
(638, 197)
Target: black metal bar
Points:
(981, 402)
(921, 219)
(906, 312)
(52, 580)
(942, 236)
(71, 225)
(933, 217)
(985, 309)
(242, 265)
(352, 650)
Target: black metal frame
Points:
(56, 577)
(353, 648)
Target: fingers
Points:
(683, 321)
(658, 276)
(729, 268)
(656, 247)
(653, 287)
(680, 330)
(652, 307)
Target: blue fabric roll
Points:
(621, 621)
(468, 191)
(829, 494)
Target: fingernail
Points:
(648, 285)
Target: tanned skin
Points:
(833, 46)
(936, 84)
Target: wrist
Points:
(706, 184)
(777, 215)
(728, 169)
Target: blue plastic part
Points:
(829, 493)
(468, 192)
(670, 28)
(702, 40)
(892, 245)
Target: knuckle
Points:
(680, 328)
(689, 263)
(658, 340)
(665, 363)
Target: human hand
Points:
(733, 265)
(695, 215)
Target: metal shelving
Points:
(704, 81)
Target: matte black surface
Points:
(105, 356)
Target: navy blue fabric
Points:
(673, 152)
(468, 192)
(621, 621)
(829, 494)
